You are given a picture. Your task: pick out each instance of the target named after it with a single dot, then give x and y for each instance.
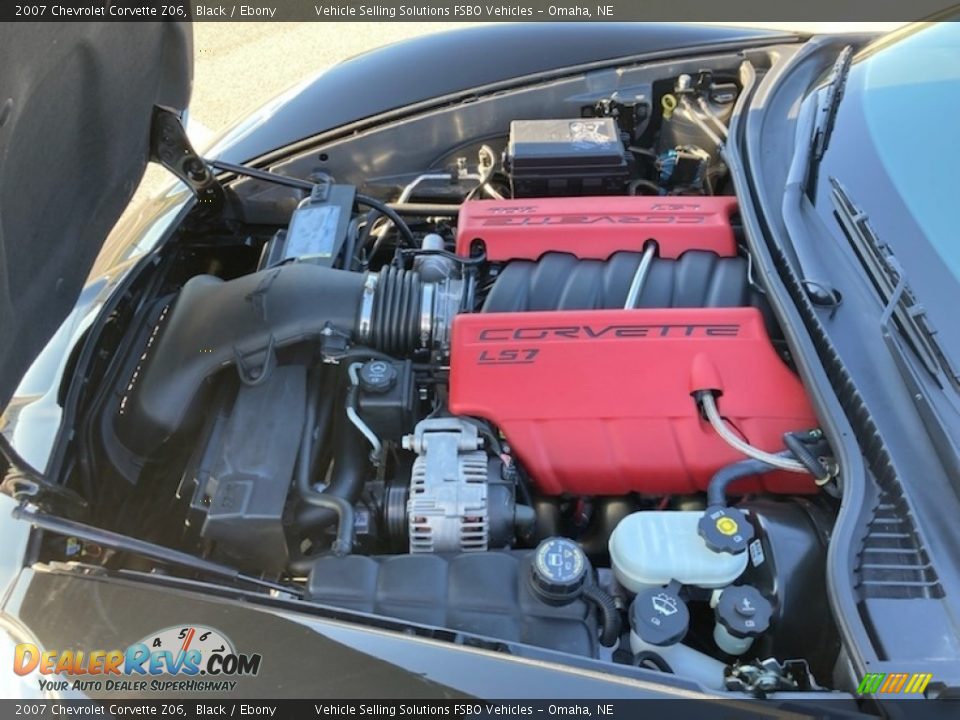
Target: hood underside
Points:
(75, 111)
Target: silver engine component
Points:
(430, 303)
(447, 510)
(441, 297)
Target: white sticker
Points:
(756, 553)
(589, 132)
(313, 232)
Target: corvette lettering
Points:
(658, 219)
(596, 332)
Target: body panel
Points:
(74, 142)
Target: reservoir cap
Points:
(659, 617)
(743, 611)
(377, 376)
(725, 530)
(558, 571)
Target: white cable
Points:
(686, 107)
(731, 438)
(702, 102)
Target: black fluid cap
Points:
(725, 529)
(377, 376)
(659, 617)
(743, 611)
(558, 571)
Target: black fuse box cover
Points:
(487, 594)
(577, 156)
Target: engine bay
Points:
(531, 391)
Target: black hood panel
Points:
(75, 108)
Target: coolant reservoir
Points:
(652, 548)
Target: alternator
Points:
(447, 509)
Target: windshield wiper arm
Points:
(888, 277)
(828, 100)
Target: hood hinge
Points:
(170, 147)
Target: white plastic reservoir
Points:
(651, 548)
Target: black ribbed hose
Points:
(609, 615)
(395, 321)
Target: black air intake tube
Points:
(214, 324)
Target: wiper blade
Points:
(828, 100)
(888, 277)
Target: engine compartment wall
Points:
(386, 153)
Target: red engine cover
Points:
(595, 228)
(599, 402)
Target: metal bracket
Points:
(170, 147)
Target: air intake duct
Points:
(246, 322)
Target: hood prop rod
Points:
(124, 543)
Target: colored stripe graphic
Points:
(892, 683)
(918, 683)
(870, 683)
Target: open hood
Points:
(76, 103)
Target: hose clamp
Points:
(365, 321)
(428, 294)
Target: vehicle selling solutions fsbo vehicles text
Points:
(383, 11)
(491, 11)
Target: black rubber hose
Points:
(346, 481)
(362, 352)
(350, 245)
(717, 489)
(648, 656)
(609, 615)
(806, 456)
(364, 239)
(394, 216)
(328, 502)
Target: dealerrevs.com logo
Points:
(181, 658)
